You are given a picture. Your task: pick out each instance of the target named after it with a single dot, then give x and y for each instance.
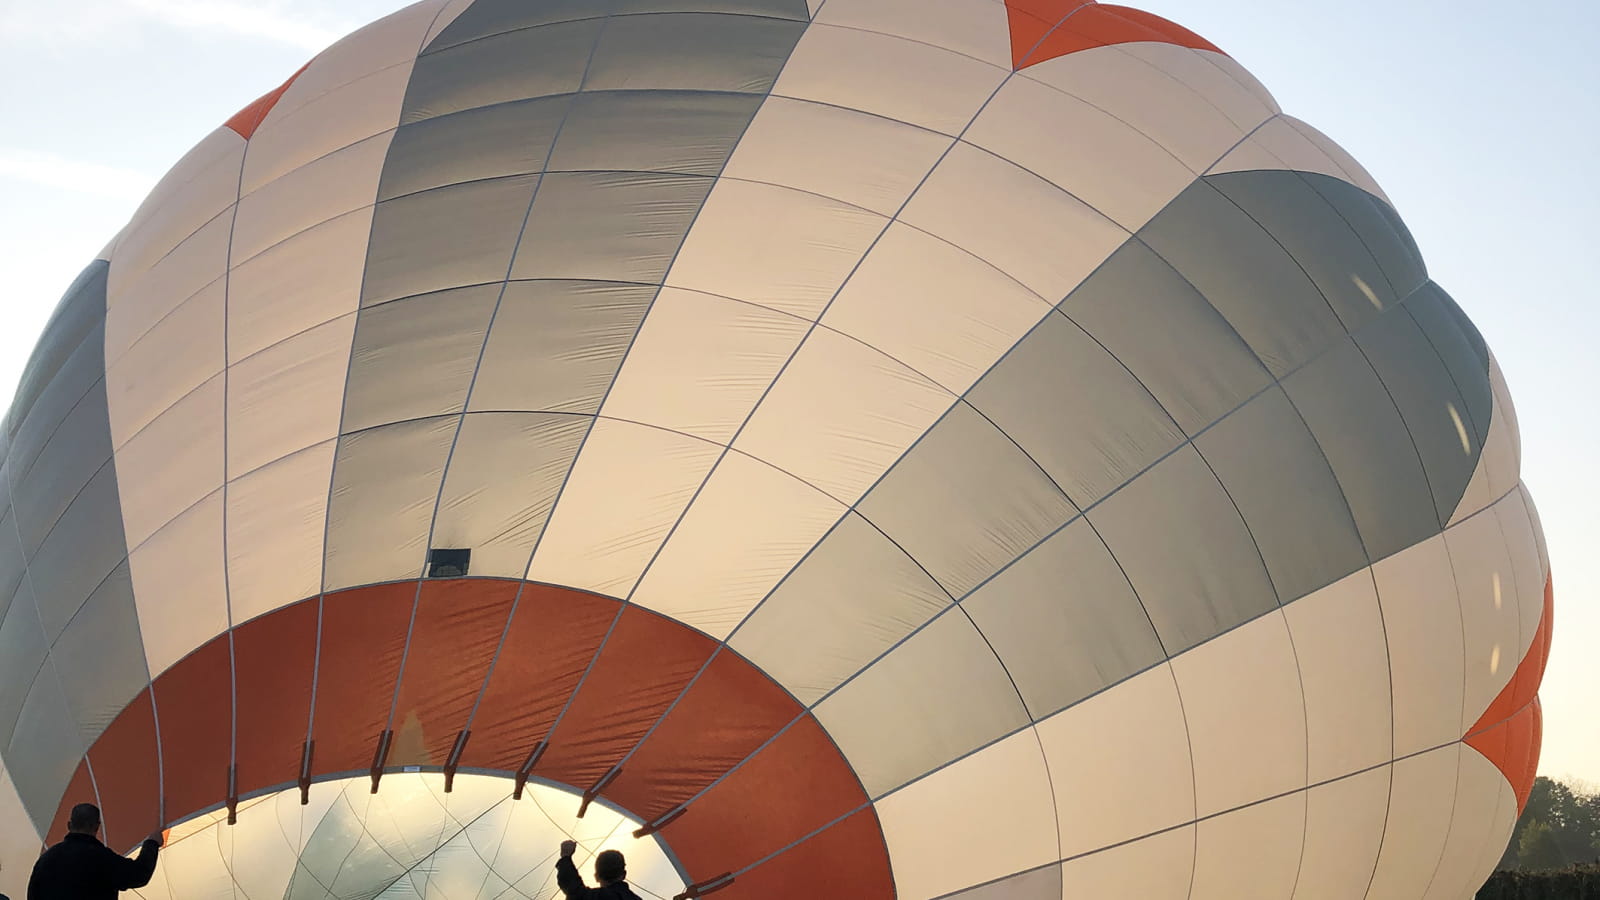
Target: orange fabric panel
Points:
(363, 640)
(794, 786)
(641, 669)
(458, 627)
(1096, 25)
(194, 706)
(126, 768)
(847, 860)
(552, 636)
(273, 656)
(1523, 689)
(724, 717)
(247, 120)
(79, 790)
(1031, 20)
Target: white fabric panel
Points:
(936, 308)
(193, 868)
(981, 818)
(1222, 82)
(1264, 840)
(1523, 546)
(1420, 804)
(1354, 172)
(1422, 618)
(179, 584)
(1033, 230)
(180, 353)
(1246, 713)
(1278, 145)
(200, 187)
(172, 463)
(1085, 151)
(288, 396)
(392, 40)
(277, 516)
(1344, 825)
(1344, 670)
(1171, 114)
(144, 299)
(1502, 395)
(628, 485)
(261, 851)
(972, 28)
(841, 414)
(1477, 802)
(19, 842)
(311, 278)
(889, 76)
(1497, 470)
(386, 483)
(1123, 753)
(1159, 867)
(750, 525)
(859, 158)
(776, 246)
(1502, 824)
(1486, 586)
(320, 190)
(700, 362)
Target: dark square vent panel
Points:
(448, 563)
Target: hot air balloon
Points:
(825, 448)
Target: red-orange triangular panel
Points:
(1509, 732)
(1045, 29)
(247, 120)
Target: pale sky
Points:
(1480, 119)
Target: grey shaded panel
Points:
(44, 749)
(491, 142)
(692, 51)
(1064, 621)
(1243, 272)
(1186, 552)
(1039, 884)
(105, 630)
(843, 606)
(781, 9)
(80, 448)
(1165, 332)
(13, 566)
(964, 501)
(938, 696)
(444, 238)
(22, 650)
(86, 544)
(60, 398)
(502, 482)
(689, 132)
(1318, 238)
(1276, 474)
(533, 62)
(1365, 440)
(414, 358)
(80, 313)
(1460, 347)
(1433, 410)
(1073, 408)
(385, 484)
(1379, 227)
(556, 345)
(608, 226)
(486, 18)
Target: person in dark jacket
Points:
(610, 869)
(82, 868)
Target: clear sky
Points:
(1481, 119)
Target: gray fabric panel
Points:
(653, 131)
(778, 9)
(1039, 884)
(1460, 347)
(616, 226)
(444, 238)
(1423, 390)
(1073, 408)
(105, 630)
(13, 566)
(79, 449)
(1064, 621)
(964, 501)
(534, 62)
(86, 544)
(60, 398)
(81, 311)
(504, 477)
(1380, 229)
(486, 18)
(1365, 441)
(385, 484)
(1318, 238)
(1246, 275)
(45, 748)
(478, 144)
(22, 650)
(1276, 474)
(1186, 551)
(1165, 332)
(844, 605)
(692, 51)
(414, 358)
(938, 696)
(556, 345)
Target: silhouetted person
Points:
(82, 868)
(610, 869)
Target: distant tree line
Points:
(1554, 852)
